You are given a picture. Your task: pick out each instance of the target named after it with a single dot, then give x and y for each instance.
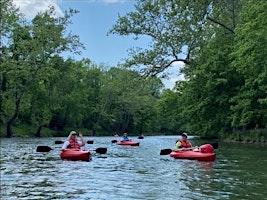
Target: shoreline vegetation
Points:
(258, 136)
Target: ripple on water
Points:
(129, 173)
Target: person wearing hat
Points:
(72, 142)
(183, 142)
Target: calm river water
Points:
(124, 173)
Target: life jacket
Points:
(184, 144)
(125, 138)
(73, 144)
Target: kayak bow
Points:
(74, 155)
(128, 143)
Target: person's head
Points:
(73, 134)
(184, 136)
(124, 134)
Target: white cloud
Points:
(174, 74)
(31, 7)
(170, 82)
(178, 64)
(106, 1)
(99, 1)
(112, 1)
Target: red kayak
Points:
(128, 143)
(204, 153)
(74, 155)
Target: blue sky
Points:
(91, 24)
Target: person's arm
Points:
(65, 145)
(190, 144)
(177, 145)
(82, 139)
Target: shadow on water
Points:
(131, 172)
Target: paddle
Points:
(214, 145)
(43, 149)
(90, 142)
(168, 151)
(165, 151)
(114, 141)
(100, 150)
(59, 142)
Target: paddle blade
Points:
(43, 149)
(90, 142)
(101, 150)
(114, 141)
(165, 151)
(59, 142)
(214, 145)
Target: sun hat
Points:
(73, 133)
(185, 134)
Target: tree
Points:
(203, 31)
(249, 59)
(28, 56)
(126, 102)
(177, 29)
(169, 109)
(205, 98)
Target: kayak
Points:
(128, 143)
(74, 155)
(204, 153)
(193, 155)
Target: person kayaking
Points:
(183, 142)
(116, 134)
(125, 137)
(72, 142)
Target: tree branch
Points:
(224, 26)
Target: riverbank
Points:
(25, 131)
(255, 136)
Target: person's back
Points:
(125, 137)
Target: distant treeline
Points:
(225, 68)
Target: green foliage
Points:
(26, 62)
(169, 118)
(174, 27)
(225, 47)
(222, 43)
(205, 98)
(249, 58)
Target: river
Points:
(127, 173)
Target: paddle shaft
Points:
(99, 150)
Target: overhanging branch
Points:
(219, 23)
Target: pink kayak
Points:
(204, 153)
(74, 155)
(128, 143)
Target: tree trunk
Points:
(38, 132)
(94, 132)
(12, 119)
